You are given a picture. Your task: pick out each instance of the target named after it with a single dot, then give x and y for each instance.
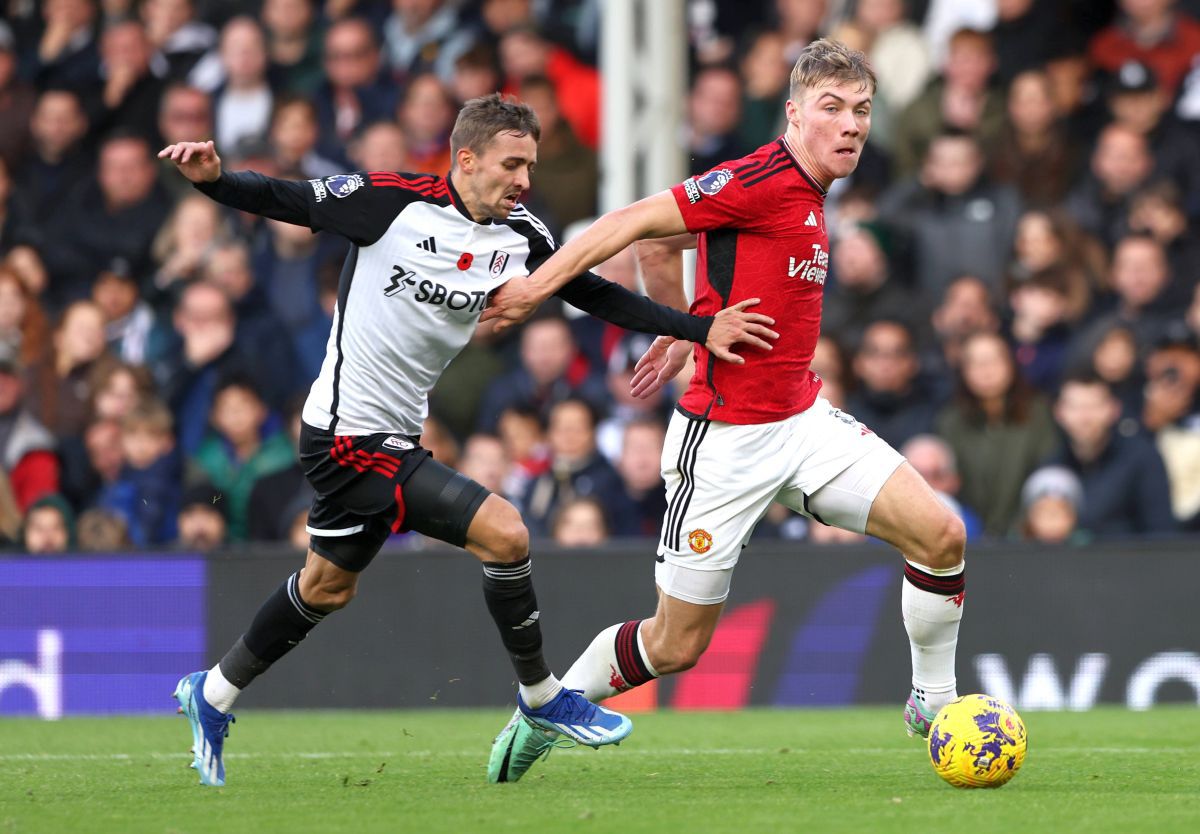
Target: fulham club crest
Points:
(499, 261)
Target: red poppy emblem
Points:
(465, 260)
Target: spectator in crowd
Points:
(293, 136)
(1172, 416)
(624, 408)
(577, 469)
(957, 219)
(1125, 486)
(1121, 164)
(714, 113)
(201, 520)
(1039, 328)
(425, 36)
(1050, 504)
(183, 243)
(526, 52)
(353, 93)
(891, 398)
(241, 448)
(128, 320)
(934, 461)
(440, 442)
(521, 432)
(1026, 35)
(1157, 210)
(547, 375)
(15, 219)
(259, 333)
(1048, 241)
(765, 74)
(60, 387)
(92, 462)
(57, 164)
(1138, 102)
(1035, 155)
(999, 430)
(1115, 359)
(10, 515)
(117, 388)
(1077, 95)
(198, 353)
(1154, 32)
(16, 101)
(181, 41)
(800, 23)
(426, 116)
(640, 468)
(580, 522)
(966, 308)
(49, 526)
(243, 102)
(863, 288)
(485, 461)
(961, 100)
(568, 172)
(126, 92)
(27, 447)
(273, 495)
(184, 115)
(146, 495)
(476, 73)
(831, 364)
(116, 216)
(102, 531)
(66, 54)
(24, 330)
(898, 52)
(293, 43)
(380, 147)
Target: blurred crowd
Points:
(1013, 299)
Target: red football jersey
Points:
(761, 224)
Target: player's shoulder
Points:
(530, 226)
(400, 185)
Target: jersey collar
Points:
(458, 203)
(783, 143)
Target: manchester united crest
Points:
(700, 541)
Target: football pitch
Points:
(850, 770)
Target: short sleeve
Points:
(714, 200)
(360, 206)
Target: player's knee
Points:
(948, 543)
(509, 541)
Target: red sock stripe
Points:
(629, 658)
(945, 585)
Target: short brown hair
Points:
(826, 62)
(149, 414)
(482, 118)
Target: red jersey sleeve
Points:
(715, 200)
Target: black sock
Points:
(281, 623)
(508, 589)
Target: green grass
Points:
(680, 773)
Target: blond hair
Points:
(824, 62)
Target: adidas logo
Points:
(811, 221)
(533, 618)
(428, 244)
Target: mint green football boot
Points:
(916, 720)
(518, 746)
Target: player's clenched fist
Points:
(198, 161)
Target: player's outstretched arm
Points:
(653, 217)
(278, 199)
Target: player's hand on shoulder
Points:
(734, 325)
(198, 161)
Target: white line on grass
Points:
(677, 751)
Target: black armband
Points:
(613, 303)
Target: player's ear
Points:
(465, 159)
(792, 109)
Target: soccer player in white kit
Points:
(746, 435)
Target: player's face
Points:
(831, 125)
(496, 178)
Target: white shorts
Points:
(722, 477)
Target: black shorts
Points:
(371, 486)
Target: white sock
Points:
(598, 672)
(541, 693)
(218, 691)
(932, 620)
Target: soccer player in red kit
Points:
(746, 435)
